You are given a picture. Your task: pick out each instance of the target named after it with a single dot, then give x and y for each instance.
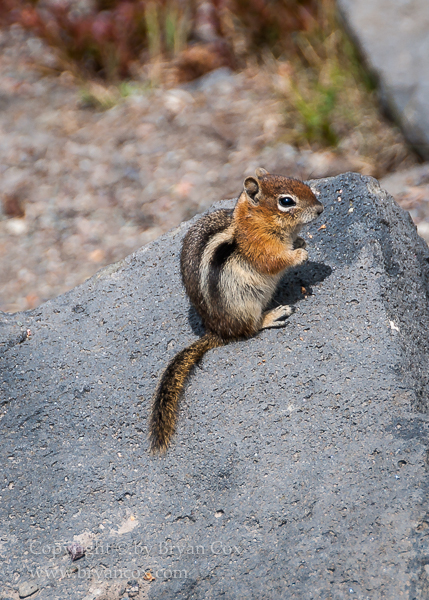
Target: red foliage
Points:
(106, 40)
(271, 22)
(103, 42)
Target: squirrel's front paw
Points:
(301, 256)
(299, 243)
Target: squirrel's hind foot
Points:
(276, 317)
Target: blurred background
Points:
(121, 118)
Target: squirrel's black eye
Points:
(286, 202)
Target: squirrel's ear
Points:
(251, 187)
(261, 172)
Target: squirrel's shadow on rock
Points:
(289, 291)
(298, 283)
(195, 322)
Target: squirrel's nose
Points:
(319, 208)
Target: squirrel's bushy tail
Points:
(166, 400)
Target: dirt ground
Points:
(82, 187)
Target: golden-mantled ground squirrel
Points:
(231, 263)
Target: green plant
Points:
(316, 113)
(99, 97)
(153, 29)
(177, 28)
(329, 100)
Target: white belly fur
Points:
(247, 292)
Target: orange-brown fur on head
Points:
(263, 230)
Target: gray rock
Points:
(223, 76)
(132, 588)
(27, 589)
(393, 36)
(299, 469)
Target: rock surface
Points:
(299, 469)
(393, 36)
(27, 589)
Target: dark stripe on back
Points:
(194, 244)
(217, 263)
